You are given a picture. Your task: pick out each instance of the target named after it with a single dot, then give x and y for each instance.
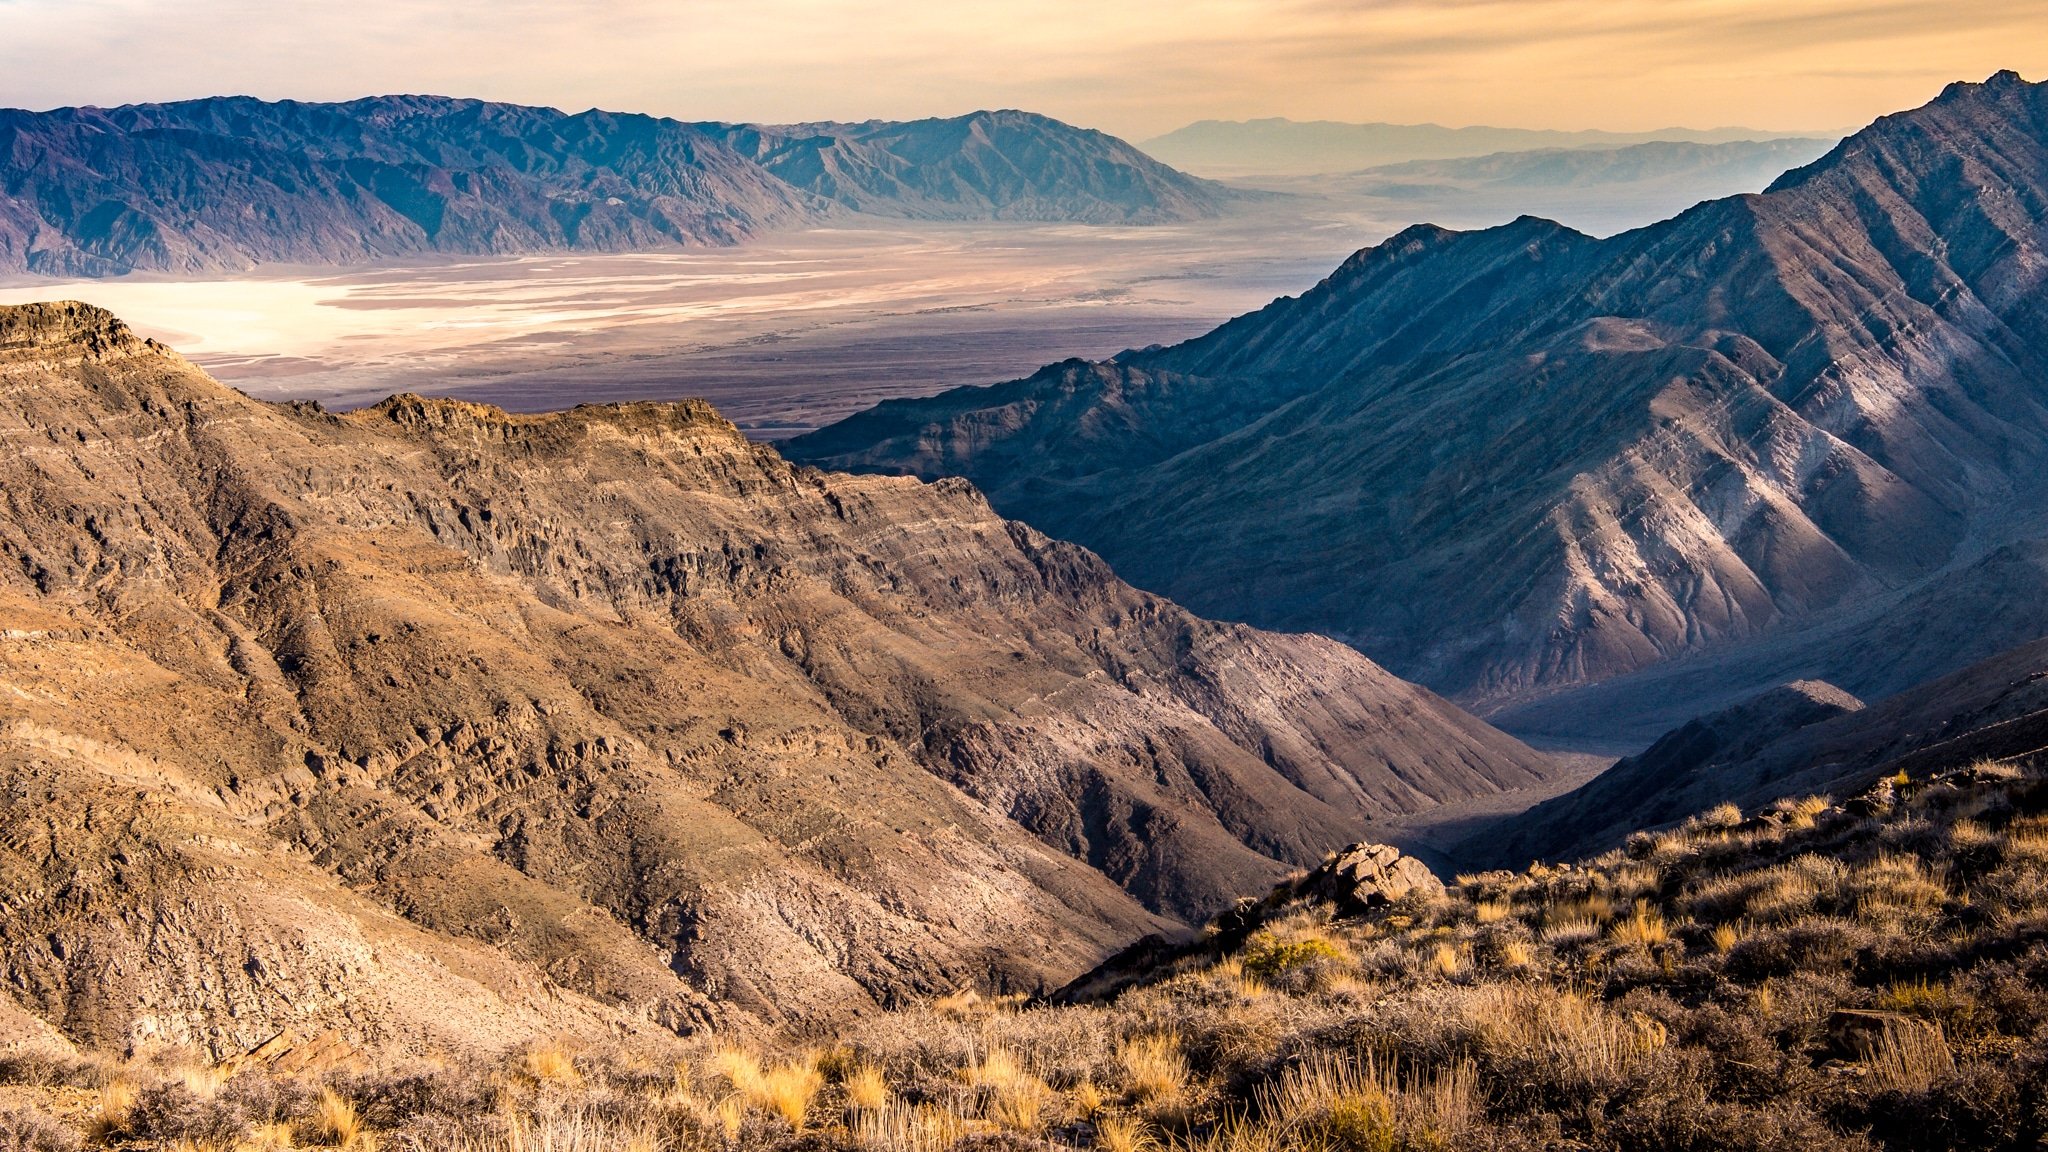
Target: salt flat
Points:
(795, 330)
(783, 334)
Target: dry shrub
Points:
(2027, 839)
(576, 1130)
(202, 1080)
(959, 1005)
(1564, 930)
(1968, 834)
(1719, 817)
(1894, 885)
(1267, 955)
(28, 1130)
(1364, 1104)
(1579, 1039)
(741, 1069)
(731, 1114)
(1088, 1099)
(1636, 879)
(1016, 1098)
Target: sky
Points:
(1133, 67)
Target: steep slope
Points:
(227, 183)
(1006, 165)
(1798, 738)
(633, 706)
(1511, 462)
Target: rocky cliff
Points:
(441, 725)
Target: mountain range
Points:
(227, 183)
(1280, 147)
(1596, 486)
(446, 727)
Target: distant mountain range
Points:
(1578, 167)
(1795, 434)
(1224, 148)
(1600, 191)
(227, 183)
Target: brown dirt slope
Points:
(429, 715)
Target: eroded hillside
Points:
(601, 720)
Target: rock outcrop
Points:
(1366, 876)
(436, 726)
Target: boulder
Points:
(1366, 876)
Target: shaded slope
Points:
(1806, 737)
(1006, 165)
(226, 183)
(1520, 460)
(629, 701)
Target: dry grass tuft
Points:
(1643, 929)
(550, 1064)
(1154, 1069)
(115, 1112)
(866, 1088)
(1124, 1134)
(336, 1121)
(787, 1090)
(1911, 1058)
(1727, 935)
(923, 1128)
(272, 1136)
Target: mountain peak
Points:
(65, 322)
(2004, 79)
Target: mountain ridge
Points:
(598, 720)
(1279, 146)
(228, 182)
(1518, 462)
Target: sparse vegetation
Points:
(1815, 977)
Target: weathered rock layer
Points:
(441, 725)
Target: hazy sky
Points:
(1135, 67)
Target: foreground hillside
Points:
(230, 182)
(1516, 462)
(439, 727)
(1813, 976)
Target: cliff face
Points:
(1522, 460)
(607, 716)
